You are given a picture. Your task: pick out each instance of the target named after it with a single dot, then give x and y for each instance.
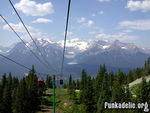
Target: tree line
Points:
(90, 94)
(21, 96)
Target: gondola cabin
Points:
(60, 81)
(40, 84)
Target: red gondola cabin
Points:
(40, 84)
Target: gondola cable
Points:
(30, 34)
(21, 65)
(23, 41)
(66, 31)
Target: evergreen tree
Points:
(32, 91)
(139, 72)
(73, 85)
(83, 86)
(149, 92)
(21, 103)
(6, 108)
(89, 100)
(78, 85)
(118, 92)
(110, 80)
(14, 100)
(98, 80)
(130, 77)
(3, 81)
(65, 85)
(147, 66)
(73, 92)
(49, 83)
(1, 97)
(127, 94)
(143, 92)
(2, 86)
(83, 83)
(70, 87)
(104, 94)
(15, 82)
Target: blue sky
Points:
(124, 20)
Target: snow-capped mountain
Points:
(5, 49)
(88, 54)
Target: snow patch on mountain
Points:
(81, 45)
(124, 47)
(106, 46)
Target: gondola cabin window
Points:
(60, 81)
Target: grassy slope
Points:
(63, 103)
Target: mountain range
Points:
(80, 54)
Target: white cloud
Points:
(17, 27)
(42, 20)
(90, 23)
(120, 36)
(101, 12)
(80, 20)
(93, 14)
(32, 8)
(20, 29)
(104, 0)
(37, 34)
(92, 32)
(127, 31)
(85, 22)
(143, 5)
(136, 25)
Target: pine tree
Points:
(143, 92)
(89, 100)
(74, 84)
(78, 85)
(110, 80)
(20, 104)
(104, 94)
(149, 92)
(147, 66)
(15, 82)
(118, 92)
(127, 94)
(83, 83)
(65, 85)
(98, 80)
(6, 99)
(83, 86)
(130, 77)
(1, 97)
(14, 100)
(2, 86)
(73, 92)
(70, 86)
(49, 83)
(32, 91)
(3, 81)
